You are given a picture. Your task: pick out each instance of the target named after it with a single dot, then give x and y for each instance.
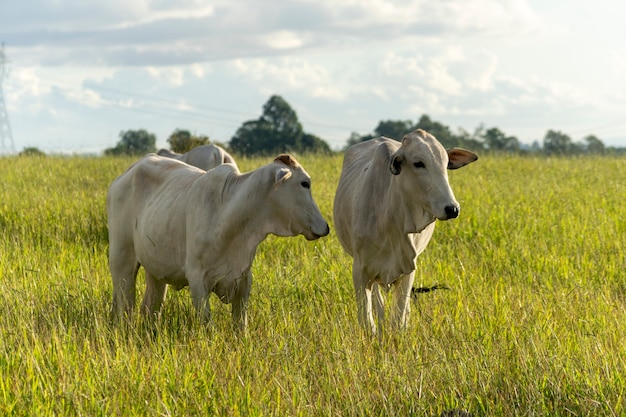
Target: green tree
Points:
(438, 130)
(394, 129)
(133, 142)
(182, 141)
(32, 151)
(496, 140)
(594, 144)
(557, 143)
(356, 138)
(312, 143)
(277, 130)
(253, 137)
(469, 140)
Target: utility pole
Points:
(6, 137)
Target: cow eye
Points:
(419, 165)
(306, 184)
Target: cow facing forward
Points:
(387, 201)
(188, 227)
(204, 157)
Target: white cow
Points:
(387, 201)
(204, 157)
(189, 227)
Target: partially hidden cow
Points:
(189, 227)
(204, 156)
(388, 198)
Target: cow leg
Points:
(240, 301)
(154, 296)
(363, 289)
(200, 298)
(379, 304)
(124, 273)
(402, 300)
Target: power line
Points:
(161, 106)
(611, 127)
(147, 104)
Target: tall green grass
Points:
(534, 322)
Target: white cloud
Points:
(285, 74)
(174, 77)
(491, 17)
(150, 33)
(481, 72)
(144, 14)
(617, 62)
(85, 97)
(76, 15)
(24, 82)
(283, 39)
(198, 71)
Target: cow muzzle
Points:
(450, 212)
(316, 234)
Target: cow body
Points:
(388, 198)
(204, 157)
(188, 227)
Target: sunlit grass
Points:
(533, 323)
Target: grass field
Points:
(534, 323)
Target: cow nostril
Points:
(452, 212)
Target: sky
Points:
(80, 72)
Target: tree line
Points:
(278, 130)
(489, 139)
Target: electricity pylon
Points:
(6, 137)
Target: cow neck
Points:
(242, 208)
(401, 213)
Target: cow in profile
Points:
(389, 196)
(189, 227)
(204, 156)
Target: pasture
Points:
(534, 323)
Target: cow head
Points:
(421, 165)
(293, 205)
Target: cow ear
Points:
(396, 163)
(282, 175)
(286, 159)
(458, 158)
